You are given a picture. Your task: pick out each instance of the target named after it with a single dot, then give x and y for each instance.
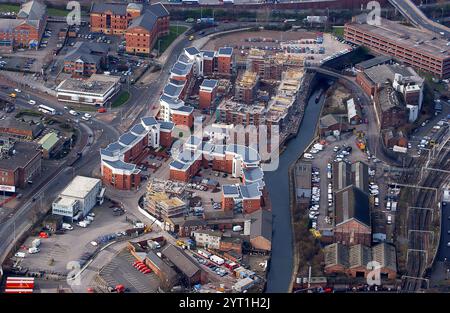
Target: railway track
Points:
(420, 219)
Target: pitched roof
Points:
(146, 21)
(261, 224)
(48, 141)
(158, 9)
(352, 203)
(181, 260)
(115, 8)
(32, 10)
(89, 52)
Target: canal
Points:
(277, 182)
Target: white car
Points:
(94, 243)
(32, 102)
(389, 219)
(308, 156)
(85, 118)
(87, 115)
(17, 90)
(73, 112)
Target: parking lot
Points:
(121, 271)
(297, 42)
(58, 250)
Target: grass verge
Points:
(166, 41)
(121, 99)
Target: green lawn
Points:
(121, 99)
(338, 31)
(167, 40)
(6, 7)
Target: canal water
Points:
(277, 182)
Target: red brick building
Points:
(142, 25)
(354, 260)
(119, 159)
(142, 33)
(86, 59)
(20, 165)
(207, 93)
(225, 61)
(26, 30)
(113, 19)
(352, 217)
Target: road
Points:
(143, 102)
(408, 9)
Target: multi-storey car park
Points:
(416, 47)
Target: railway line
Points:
(420, 216)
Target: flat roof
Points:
(412, 37)
(24, 152)
(80, 187)
(96, 84)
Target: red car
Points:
(147, 271)
(43, 235)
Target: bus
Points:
(46, 109)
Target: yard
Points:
(165, 42)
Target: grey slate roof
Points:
(158, 9)
(32, 10)
(115, 8)
(261, 224)
(89, 52)
(146, 21)
(352, 203)
(181, 260)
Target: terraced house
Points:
(26, 30)
(141, 25)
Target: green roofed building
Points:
(49, 143)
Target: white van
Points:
(20, 255)
(33, 250)
(67, 226)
